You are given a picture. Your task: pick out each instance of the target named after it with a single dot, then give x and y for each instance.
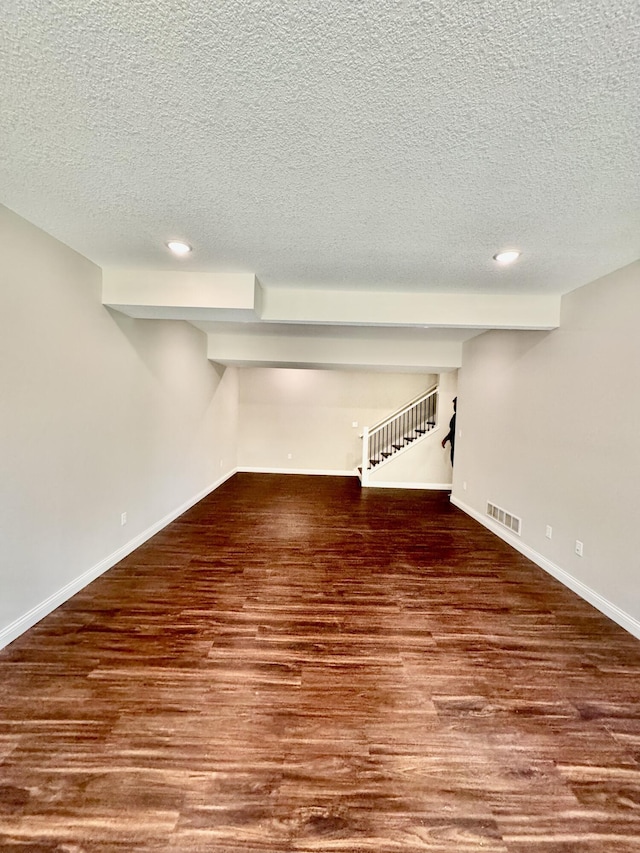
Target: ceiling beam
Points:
(176, 295)
(298, 350)
(201, 296)
(377, 308)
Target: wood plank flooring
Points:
(298, 665)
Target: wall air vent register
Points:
(506, 519)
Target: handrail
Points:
(399, 412)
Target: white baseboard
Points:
(311, 471)
(12, 631)
(615, 613)
(375, 485)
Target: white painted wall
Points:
(549, 424)
(100, 415)
(309, 414)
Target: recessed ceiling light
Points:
(507, 257)
(178, 247)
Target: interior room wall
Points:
(308, 414)
(100, 415)
(548, 430)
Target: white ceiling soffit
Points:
(247, 324)
(337, 146)
(399, 350)
(201, 297)
(174, 295)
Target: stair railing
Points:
(395, 432)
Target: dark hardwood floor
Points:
(298, 665)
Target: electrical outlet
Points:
(549, 531)
(464, 486)
(221, 463)
(289, 455)
(123, 519)
(354, 424)
(579, 548)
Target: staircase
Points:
(398, 431)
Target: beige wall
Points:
(549, 426)
(309, 414)
(99, 415)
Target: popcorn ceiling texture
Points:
(378, 144)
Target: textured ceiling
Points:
(342, 144)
